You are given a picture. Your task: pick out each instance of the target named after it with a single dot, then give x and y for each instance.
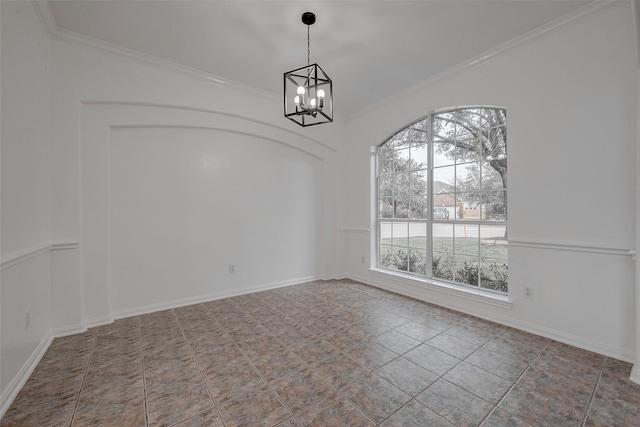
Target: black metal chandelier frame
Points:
(308, 90)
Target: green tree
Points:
(402, 182)
(478, 136)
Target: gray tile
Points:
(539, 409)
(432, 359)
(483, 384)
(407, 376)
(415, 414)
(506, 367)
(417, 331)
(236, 351)
(396, 342)
(333, 411)
(456, 405)
(301, 388)
(369, 354)
(452, 345)
(375, 397)
(502, 418)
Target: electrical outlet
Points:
(232, 269)
(528, 293)
(27, 319)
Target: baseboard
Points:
(635, 374)
(98, 321)
(151, 308)
(570, 339)
(14, 387)
(68, 330)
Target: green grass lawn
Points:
(461, 268)
(464, 245)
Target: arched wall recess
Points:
(253, 187)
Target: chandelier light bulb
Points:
(300, 90)
(321, 94)
(313, 103)
(297, 100)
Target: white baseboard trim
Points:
(457, 304)
(136, 311)
(14, 387)
(98, 321)
(68, 330)
(635, 374)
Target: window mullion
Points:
(429, 244)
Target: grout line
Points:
(144, 380)
(593, 394)
(195, 360)
(84, 377)
(497, 405)
(271, 310)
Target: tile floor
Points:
(325, 354)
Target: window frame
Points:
(429, 221)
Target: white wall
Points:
(88, 134)
(131, 185)
(25, 279)
(571, 117)
(166, 178)
(185, 204)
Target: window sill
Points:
(477, 295)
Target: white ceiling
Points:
(370, 49)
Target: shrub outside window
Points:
(442, 198)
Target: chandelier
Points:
(308, 91)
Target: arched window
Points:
(442, 199)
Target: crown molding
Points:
(48, 21)
(591, 9)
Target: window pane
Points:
(418, 235)
(443, 237)
(467, 270)
(400, 259)
(442, 261)
(495, 275)
(422, 125)
(467, 150)
(491, 179)
(403, 156)
(417, 261)
(385, 233)
(466, 239)
(443, 154)
(443, 126)
(444, 178)
(419, 136)
(417, 194)
(472, 204)
(400, 234)
(385, 195)
(442, 265)
(419, 156)
(493, 243)
(467, 177)
(385, 258)
(494, 206)
(401, 139)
